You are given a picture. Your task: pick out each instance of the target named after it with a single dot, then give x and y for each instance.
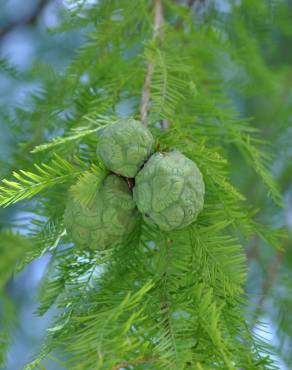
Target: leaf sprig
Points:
(27, 184)
(77, 133)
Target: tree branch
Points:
(29, 20)
(157, 34)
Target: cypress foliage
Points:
(162, 300)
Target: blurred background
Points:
(26, 42)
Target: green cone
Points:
(169, 190)
(106, 219)
(125, 146)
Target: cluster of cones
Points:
(167, 189)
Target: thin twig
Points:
(157, 34)
(146, 94)
(138, 361)
(29, 20)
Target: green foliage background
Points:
(222, 79)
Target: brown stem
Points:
(138, 361)
(146, 94)
(157, 34)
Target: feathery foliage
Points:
(163, 300)
(29, 184)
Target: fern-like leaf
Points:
(27, 184)
(76, 134)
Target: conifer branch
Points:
(108, 316)
(157, 35)
(95, 125)
(165, 306)
(58, 141)
(27, 184)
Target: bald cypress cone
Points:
(169, 190)
(106, 220)
(124, 147)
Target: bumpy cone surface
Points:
(169, 190)
(106, 220)
(125, 146)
